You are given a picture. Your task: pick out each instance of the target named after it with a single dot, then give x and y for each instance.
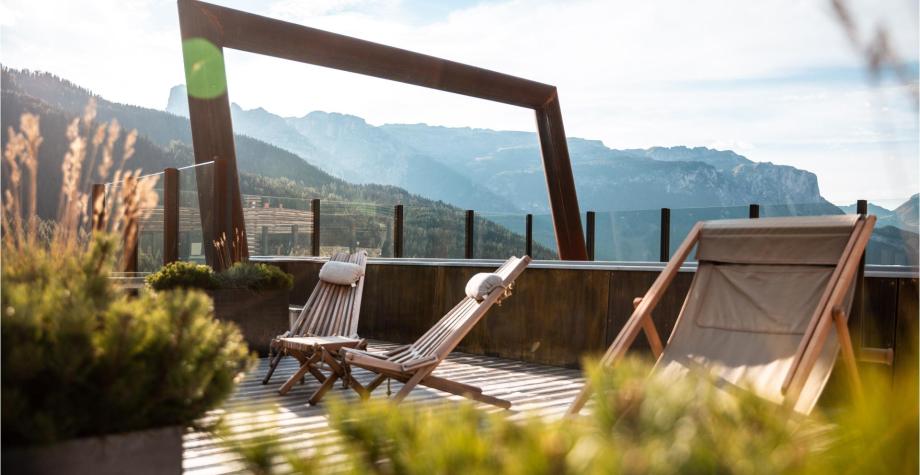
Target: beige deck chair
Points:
(759, 313)
(413, 364)
(328, 320)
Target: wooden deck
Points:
(255, 409)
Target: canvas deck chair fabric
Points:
(767, 309)
(413, 364)
(328, 320)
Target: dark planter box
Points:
(153, 451)
(261, 316)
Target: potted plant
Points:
(252, 295)
(96, 381)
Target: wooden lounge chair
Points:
(329, 320)
(413, 364)
(759, 313)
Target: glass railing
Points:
(284, 226)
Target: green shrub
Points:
(80, 358)
(181, 274)
(242, 275)
(255, 276)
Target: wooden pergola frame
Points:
(212, 130)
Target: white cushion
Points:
(482, 284)
(340, 273)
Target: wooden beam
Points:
(212, 131)
(570, 241)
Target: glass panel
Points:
(683, 219)
(349, 227)
(279, 226)
(150, 227)
(499, 235)
(627, 235)
(191, 238)
(434, 232)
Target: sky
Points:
(774, 80)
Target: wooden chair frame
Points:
(331, 332)
(413, 364)
(828, 314)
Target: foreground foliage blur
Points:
(80, 357)
(635, 425)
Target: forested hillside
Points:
(164, 140)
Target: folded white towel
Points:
(482, 284)
(340, 273)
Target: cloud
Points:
(778, 78)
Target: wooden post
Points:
(664, 254)
(314, 244)
(98, 202)
(470, 222)
(170, 215)
(589, 235)
(754, 211)
(528, 235)
(263, 243)
(398, 231)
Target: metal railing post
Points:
(589, 234)
(664, 253)
(170, 215)
(528, 235)
(470, 222)
(398, 231)
(314, 241)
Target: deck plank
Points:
(255, 409)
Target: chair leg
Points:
(323, 389)
(304, 367)
(376, 382)
(489, 400)
(579, 401)
(272, 366)
(409, 385)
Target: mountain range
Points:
(436, 172)
(502, 171)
